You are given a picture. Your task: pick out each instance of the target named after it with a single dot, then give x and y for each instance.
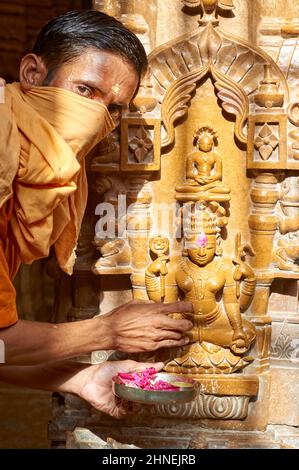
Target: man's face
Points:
(100, 76)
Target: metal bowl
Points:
(187, 390)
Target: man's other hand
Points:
(140, 326)
(97, 384)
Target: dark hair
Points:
(67, 36)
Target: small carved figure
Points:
(289, 203)
(114, 253)
(102, 184)
(286, 256)
(159, 246)
(204, 170)
(109, 151)
(243, 272)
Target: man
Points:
(84, 68)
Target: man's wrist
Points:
(103, 333)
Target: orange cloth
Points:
(44, 136)
(8, 311)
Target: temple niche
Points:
(202, 177)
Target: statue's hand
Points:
(193, 334)
(202, 180)
(159, 266)
(163, 265)
(243, 270)
(239, 344)
(209, 179)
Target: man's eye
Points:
(115, 108)
(84, 91)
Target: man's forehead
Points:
(95, 61)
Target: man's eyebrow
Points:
(95, 86)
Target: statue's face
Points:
(112, 247)
(203, 254)
(205, 143)
(159, 245)
(102, 185)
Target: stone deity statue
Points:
(203, 171)
(212, 283)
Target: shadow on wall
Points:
(20, 25)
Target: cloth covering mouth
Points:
(45, 134)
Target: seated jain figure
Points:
(219, 336)
(203, 171)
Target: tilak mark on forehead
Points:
(116, 89)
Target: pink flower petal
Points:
(145, 380)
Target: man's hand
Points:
(145, 326)
(92, 383)
(133, 327)
(97, 384)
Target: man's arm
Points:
(132, 327)
(92, 383)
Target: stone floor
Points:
(24, 416)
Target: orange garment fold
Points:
(8, 267)
(44, 136)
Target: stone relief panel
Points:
(253, 93)
(214, 131)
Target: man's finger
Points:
(140, 301)
(118, 412)
(133, 366)
(172, 343)
(145, 365)
(177, 307)
(177, 325)
(169, 334)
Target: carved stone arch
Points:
(175, 104)
(236, 66)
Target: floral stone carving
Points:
(266, 141)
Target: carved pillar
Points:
(263, 221)
(138, 229)
(139, 16)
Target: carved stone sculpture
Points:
(286, 255)
(289, 203)
(108, 156)
(114, 253)
(159, 246)
(210, 7)
(204, 171)
(219, 336)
